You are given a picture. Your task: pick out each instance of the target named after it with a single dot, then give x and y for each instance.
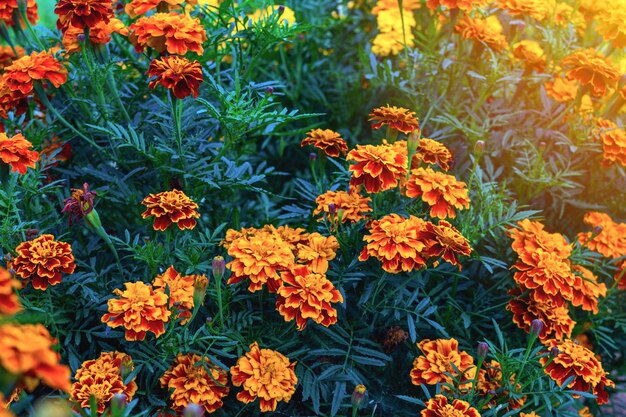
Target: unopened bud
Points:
(119, 401)
(597, 230)
(554, 352)
(479, 147)
(536, 327)
(413, 142)
(193, 410)
(483, 350)
(281, 9)
(542, 145)
(358, 394)
(81, 37)
(200, 283)
(218, 267)
(312, 156)
(269, 91)
(332, 209)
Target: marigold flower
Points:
(317, 251)
(613, 141)
(531, 236)
(566, 15)
(352, 206)
(554, 315)
(264, 374)
(444, 240)
(9, 7)
(441, 360)
(43, 260)
(585, 412)
(590, 8)
(611, 24)
(16, 151)
(307, 295)
(171, 207)
(392, 37)
(591, 68)
(531, 54)
(491, 384)
(26, 351)
(82, 13)
(407, 6)
(102, 378)
(286, 16)
(548, 274)
(398, 118)
(178, 74)
(11, 101)
(101, 33)
(587, 290)
(610, 241)
(537, 9)
(194, 379)
(139, 309)
(433, 152)
(562, 89)
(38, 66)
(438, 406)
(394, 336)
(390, 43)
(377, 168)
(487, 31)
(397, 242)
(465, 5)
(80, 203)
(328, 141)
(139, 7)
(168, 32)
(7, 55)
(9, 303)
(574, 360)
(442, 192)
(180, 288)
(620, 276)
(49, 149)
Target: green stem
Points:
(116, 97)
(218, 289)
(529, 348)
(30, 28)
(177, 110)
(88, 58)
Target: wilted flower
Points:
(171, 207)
(328, 141)
(16, 151)
(80, 203)
(178, 74)
(394, 337)
(168, 32)
(398, 118)
(43, 260)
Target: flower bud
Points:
(332, 209)
(542, 145)
(554, 352)
(269, 91)
(536, 327)
(218, 267)
(483, 350)
(312, 156)
(479, 147)
(200, 283)
(81, 38)
(281, 9)
(119, 401)
(413, 141)
(358, 394)
(596, 230)
(193, 410)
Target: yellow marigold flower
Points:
(490, 381)
(610, 241)
(9, 303)
(307, 295)
(328, 141)
(290, 235)
(377, 168)
(352, 206)
(443, 240)
(194, 379)
(38, 66)
(465, 5)
(587, 290)
(264, 374)
(16, 151)
(440, 361)
(82, 14)
(562, 89)
(531, 54)
(398, 118)
(139, 7)
(574, 360)
(442, 192)
(487, 31)
(180, 289)
(433, 152)
(590, 8)
(390, 43)
(168, 32)
(537, 9)
(99, 34)
(43, 260)
(613, 141)
(26, 351)
(611, 23)
(565, 15)
(171, 207)
(391, 20)
(139, 309)
(102, 378)
(407, 6)
(397, 242)
(554, 316)
(591, 68)
(181, 76)
(317, 251)
(286, 18)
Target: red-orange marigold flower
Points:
(16, 151)
(171, 207)
(574, 360)
(11, 101)
(264, 374)
(99, 34)
(352, 206)
(9, 303)
(613, 141)
(587, 290)
(590, 67)
(168, 32)
(433, 152)
(7, 55)
(446, 241)
(307, 295)
(491, 384)
(398, 118)
(38, 66)
(139, 309)
(548, 274)
(43, 260)
(328, 141)
(377, 168)
(82, 13)
(194, 379)
(487, 31)
(102, 378)
(178, 74)
(438, 406)
(180, 288)
(26, 351)
(442, 192)
(9, 7)
(530, 236)
(397, 242)
(317, 251)
(611, 239)
(441, 360)
(138, 7)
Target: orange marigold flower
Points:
(531, 54)
(99, 34)
(465, 5)
(554, 316)
(102, 378)
(537, 9)
(620, 276)
(50, 146)
(352, 206)
(4, 407)
(444, 240)
(611, 24)
(613, 141)
(442, 192)
(26, 351)
(11, 101)
(433, 152)
(7, 56)
(259, 257)
(566, 15)
(138, 7)
(398, 118)
(531, 236)
(180, 290)
(610, 241)
(82, 13)
(407, 5)
(38, 66)
(591, 68)
(307, 295)
(264, 374)
(178, 74)
(9, 303)
(491, 384)
(168, 32)
(139, 309)
(377, 168)
(171, 207)
(329, 141)
(317, 251)
(548, 274)
(562, 89)
(585, 412)
(43, 260)
(574, 360)
(16, 151)
(440, 362)
(487, 31)
(9, 8)
(194, 379)
(397, 242)
(587, 290)
(438, 406)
